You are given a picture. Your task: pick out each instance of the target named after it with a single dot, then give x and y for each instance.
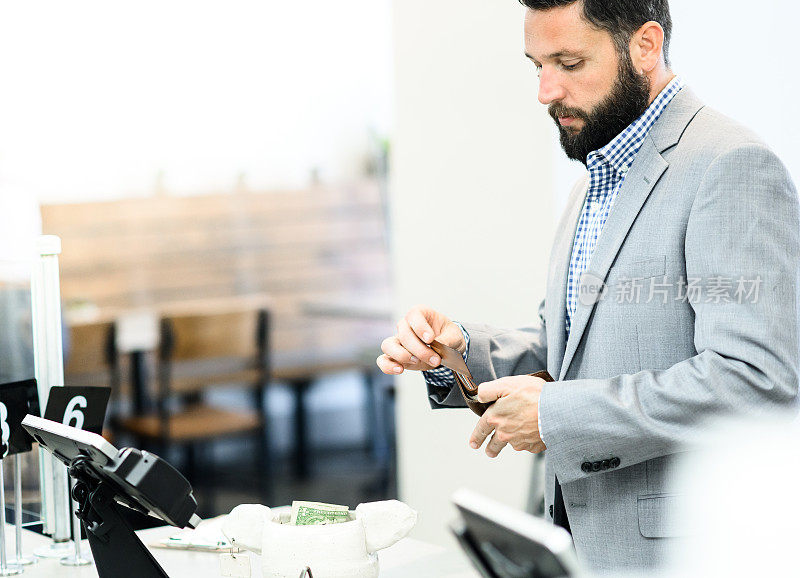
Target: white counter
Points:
(406, 558)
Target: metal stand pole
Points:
(49, 365)
(6, 569)
(76, 558)
(20, 560)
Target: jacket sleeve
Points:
(496, 353)
(743, 222)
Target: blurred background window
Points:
(108, 100)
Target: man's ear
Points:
(647, 47)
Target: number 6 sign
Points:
(79, 407)
(72, 414)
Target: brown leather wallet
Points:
(454, 361)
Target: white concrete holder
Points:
(344, 550)
(49, 365)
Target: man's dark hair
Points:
(621, 18)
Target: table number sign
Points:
(79, 407)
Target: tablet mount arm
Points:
(117, 551)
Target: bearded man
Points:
(672, 291)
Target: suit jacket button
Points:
(551, 510)
(586, 467)
(596, 467)
(615, 463)
(605, 464)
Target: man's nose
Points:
(550, 89)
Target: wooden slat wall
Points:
(135, 252)
(294, 245)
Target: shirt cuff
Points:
(465, 333)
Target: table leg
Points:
(139, 382)
(375, 442)
(300, 459)
(264, 470)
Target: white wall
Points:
(741, 58)
(106, 99)
(472, 220)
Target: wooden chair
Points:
(89, 354)
(196, 353)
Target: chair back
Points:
(212, 346)
(215, 335)
(91, 355)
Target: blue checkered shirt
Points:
(607, 167)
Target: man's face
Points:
(592, 94)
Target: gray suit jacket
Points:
(705, 203)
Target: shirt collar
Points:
(621, 151)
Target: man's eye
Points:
(571, 66)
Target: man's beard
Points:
(629, 98)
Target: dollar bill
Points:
(317, 513)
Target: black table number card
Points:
(79, 407)
(16, 401)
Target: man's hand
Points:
(410, 349)
(514, 417)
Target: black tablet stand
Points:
(108, 480)
(117, 551)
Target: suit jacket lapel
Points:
(556, 302)
(642, 177)
(638, 184)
